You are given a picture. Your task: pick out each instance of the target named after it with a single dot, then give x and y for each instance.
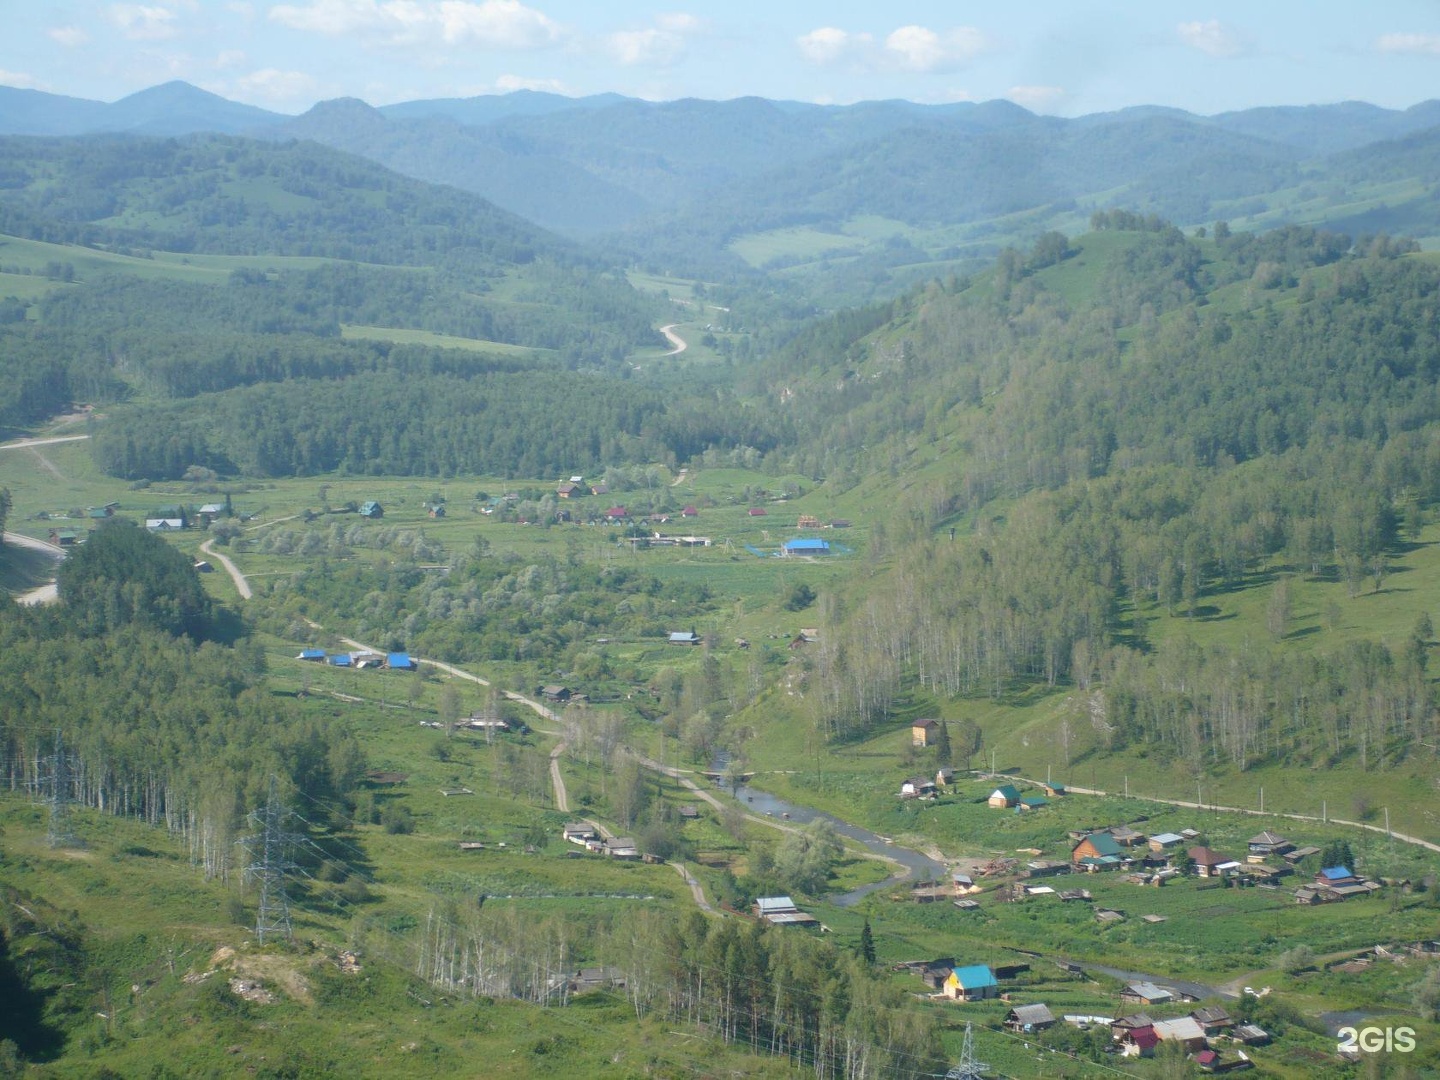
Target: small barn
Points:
(924, 732)
(1004, 797)
(372, 510)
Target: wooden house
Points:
(1267, 843)
(1096, 851)
(924, 732)
(1027, 1019)
(973, 983)
(1004, 797)
(1145, 993)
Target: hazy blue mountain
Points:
(173, 108)
(488, 108)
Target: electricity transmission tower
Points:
(969, 1068)
(268, 850)
(60, 833)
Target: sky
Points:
(1061, 57)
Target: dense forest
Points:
(1217, 409)
(157, 718)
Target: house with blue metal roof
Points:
(973, 983)
(399, 661)
(805, 547)
(317, 655)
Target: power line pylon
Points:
(268, 850)
(969, 1068)
(61, 833)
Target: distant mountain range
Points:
(679, 183)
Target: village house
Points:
(1004, 797)
(1126, 836)
(1139, 1042)
(1213, 1019)
(1267, 843)
(1183, 1030)
(781, 911)
(555, 693)
(1122, 1026)
(1033, 802)
(936, 972)
(372, 510)
(923, 732)
(1027, 1019)
(684, 637)
(622, 847)
(1096, 851)
(577, 832)
(917, 787)
(973, 983)
(1055, 790)
(1165, 842)
(399, 661)
(944, 776)
(1145, 993)
(1210, 863)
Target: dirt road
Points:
(241, 585)
(677, 343)
(47, 593)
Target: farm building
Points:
(314, 655)
(1145, 993)
(805, 547)
(1004, 797)
(973, 983)
(399, 661)
(372, 510)
(922, 731)
(684, 637)
(781, 911)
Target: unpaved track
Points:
(241, 585)
(49, 592)
(677, 343)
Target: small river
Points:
(921, 866)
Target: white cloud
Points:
(918, 48)
(661, 45)
(507, 83)
(230, 58)
(908, 48)
(501, 24)
(18, 80)
(830, 44)
(69, 36)
(276, 87)
(1416, 44)
(1036, 98)
(1211, 37)
(141, 22)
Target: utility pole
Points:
(268, 850)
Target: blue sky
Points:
(1054, 56)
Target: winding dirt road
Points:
(241, 585)
(677, 343)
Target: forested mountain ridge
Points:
(351, 244)
(596, 165)
(1122, 427)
